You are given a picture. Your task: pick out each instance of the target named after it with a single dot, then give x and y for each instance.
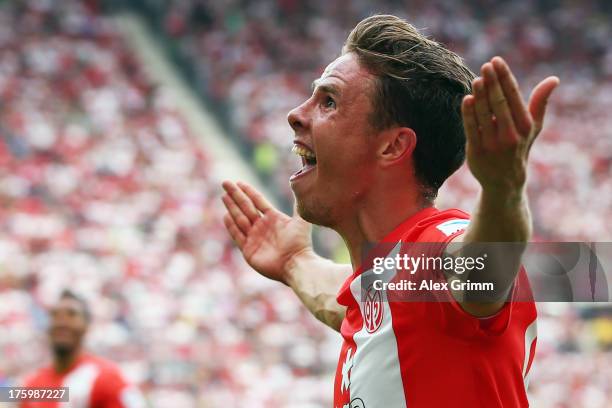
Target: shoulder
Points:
(37, 378)
(107, 369)
(113, 387)
(110, 381)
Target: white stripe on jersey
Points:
(375, 376)
(80, 384)
(530, 334)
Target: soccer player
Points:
(92, 382)
(387, 123)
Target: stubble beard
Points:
(315, 212)
(61, 351)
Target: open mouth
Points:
(309, 160)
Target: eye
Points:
(329, 103)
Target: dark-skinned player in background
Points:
(92, 381)
(388, 122)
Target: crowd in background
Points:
(260, 57)
(105, 189)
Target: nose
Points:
(298, 117)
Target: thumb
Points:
(539, 99)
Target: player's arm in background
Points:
(500, 130)
(280, 248)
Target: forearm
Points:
(500, 130)
(500, 217)
(316, 281)
(502, 224)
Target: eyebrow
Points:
(327, 88)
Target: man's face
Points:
(68, 325)
(335, 139)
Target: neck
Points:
(63, 361)
(378, 214)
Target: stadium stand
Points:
(259, 59)
(105, 190)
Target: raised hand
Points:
(268, 238)
(500, 128)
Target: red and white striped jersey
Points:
(432, 354)
(92, 383)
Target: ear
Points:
(397, 144)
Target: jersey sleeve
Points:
(112, 390)
(455, 320)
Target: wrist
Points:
(510, 183)
(508, 211)
(296, 263)
(504, 194)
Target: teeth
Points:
(302, 151)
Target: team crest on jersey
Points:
(373, 309)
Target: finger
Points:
(510, 88)
(256, 197)
(237, 215)
(237, 235)
(470, 124)
(539, 99)
(242, 200)
(484, 115)
(499, 104)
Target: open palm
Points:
(268, 238)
